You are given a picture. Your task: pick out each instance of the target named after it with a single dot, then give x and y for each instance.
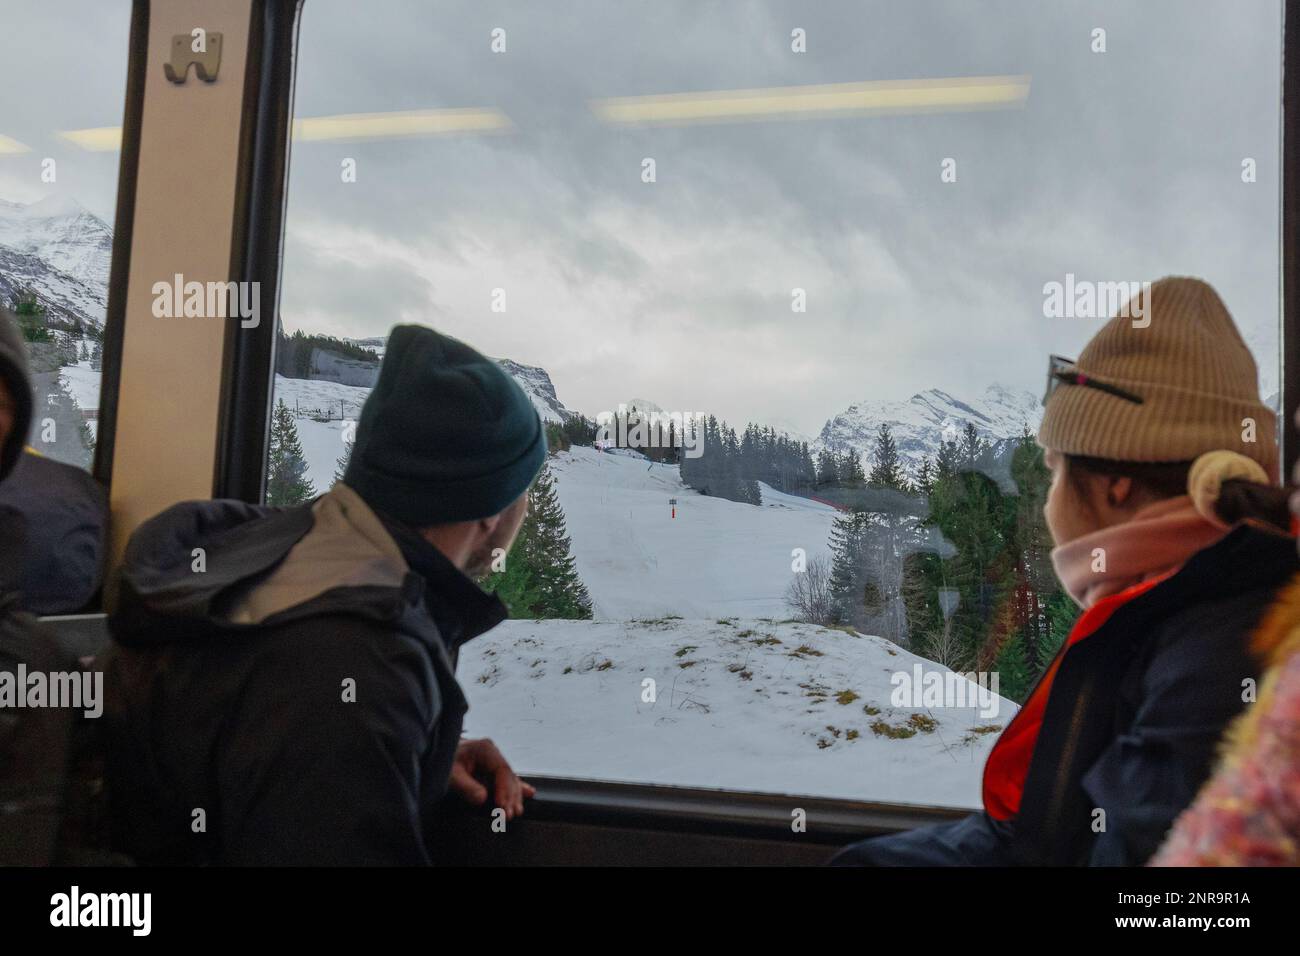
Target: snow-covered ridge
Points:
(927, 418)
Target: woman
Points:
(1170, 538)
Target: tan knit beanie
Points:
(1196, 377)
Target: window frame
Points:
(257, 245)
(574, 802)
(123, 229)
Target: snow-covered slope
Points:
(738, 704)
(318, 395)
(919, 424)
(715, 558)
(58, 250)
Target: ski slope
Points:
(715, 558)
(739, 704)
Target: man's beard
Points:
(479, 565)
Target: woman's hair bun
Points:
(1209, 472)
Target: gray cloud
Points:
(1120, 166)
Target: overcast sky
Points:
(1122, 165)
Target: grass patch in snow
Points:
(883, 728)
(667, 621)
(923, 722)
(974, 734)
(843, 628)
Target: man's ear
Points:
(487, 525)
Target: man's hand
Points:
(479, 765)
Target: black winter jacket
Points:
(235, 743)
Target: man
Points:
(283, 689)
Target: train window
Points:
(61, 98)
(782, 280)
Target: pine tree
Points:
(563, 592)
(97, 357)
(924, 482)
(828, 472)
(286, 465)
(847, 587)
(1015, 675)
(31, 317)
(541, 578)
(850, 469)
(972, 449)
(517, 584)
(887, 472)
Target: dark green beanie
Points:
(446, 435)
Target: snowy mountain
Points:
(61, 252)
(921, 422)
(538, 386)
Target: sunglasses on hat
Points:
(1063, 371)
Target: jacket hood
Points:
(16, 377)
(179, 563)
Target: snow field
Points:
(739, 703)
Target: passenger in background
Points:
(1170, 538)
(282, 689)
(53, 524)
(34, 741)
(1249, 812)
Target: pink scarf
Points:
(1158, 539)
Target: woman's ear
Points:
(1118, 491)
